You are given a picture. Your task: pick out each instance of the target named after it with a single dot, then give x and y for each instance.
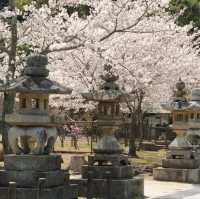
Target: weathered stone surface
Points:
(36, 71)
(76, 163)
(61, 192)
(30, 178)
(119, 189)
(108, 144)
(180, 153)
(24, 193)
(115, 159)
(181, 163)
(177, 175)
(32, 162)
(70, 191)
(99, 172)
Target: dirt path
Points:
(170, 190)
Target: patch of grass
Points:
(144, 157)
(149, 157)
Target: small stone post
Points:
(12, 190)
(89, 185)
(67, 179)
(41, 182)
(108, 185)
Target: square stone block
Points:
(28, 193)
(32, 162)
(30, 178)
(180, 153)
(181, 163)
(118, 188)
(61, 192)
(99, 172)
(177, 175)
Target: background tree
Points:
(187, 12)
(138, 38)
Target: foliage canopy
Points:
(188, 12)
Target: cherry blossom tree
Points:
(137, 37)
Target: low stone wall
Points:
(177, 175)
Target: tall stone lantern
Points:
(109, 119)
(182, 162)
(33, 130)
(108, 162)
(32, 136)
(180, 147)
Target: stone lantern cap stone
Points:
(34, 79)
(109, 90)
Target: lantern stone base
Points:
(180, 154)
(177, 175)
(32, 162)
(29, 179)
(109, 176)
(181, 163)
(60, 192)
(116, 172)
(28, 170)
(117, 188)
(114, 159)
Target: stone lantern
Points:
(32, 135)
(33, 131)
(180, 147)
(108, 161)
(109, 119)
(183, 161)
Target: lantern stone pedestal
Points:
(27, 171)
(109, 176)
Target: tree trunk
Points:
(132, 138)
(8, 104)
(9, 97)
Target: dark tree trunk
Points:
(9, 97)
(132, 137)
(8, 104)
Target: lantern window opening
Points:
(45, 104)
(179, 117)
(186, 117)
(107, 88)
(192, 116)
(198, 116)
(23, 103)
(105, 109)
(35, 103)
(117, 109)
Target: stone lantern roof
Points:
(34, 79)
(194, 102)
(109, 90)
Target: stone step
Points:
(27, 179)
(32, 162)
(60, 192)
(100, 172)
(181, 163)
